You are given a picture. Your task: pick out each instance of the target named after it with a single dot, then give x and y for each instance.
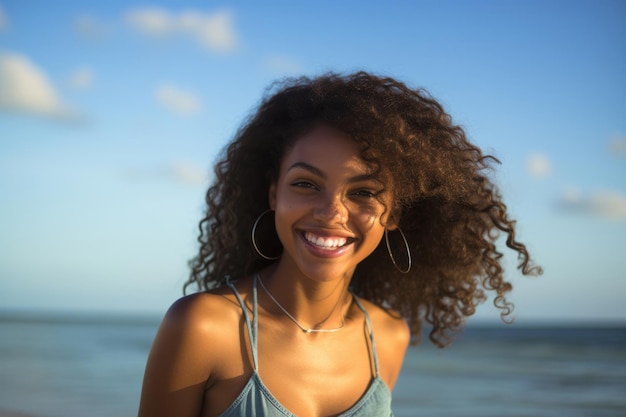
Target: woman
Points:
(345, 213)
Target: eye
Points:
(365, 193)
(304, 184)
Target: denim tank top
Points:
(255, 400)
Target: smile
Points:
(325, 243)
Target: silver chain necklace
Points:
(304, 329)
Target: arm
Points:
(179, 364)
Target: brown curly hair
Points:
(449, 210)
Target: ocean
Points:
(92, 366)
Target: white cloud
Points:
(185, 172)
(214, 31)
(177, 100)
(188, 173)
(606, 204)
(81, 79)
(4, 23)
(617, 145)
(153, 22)
(282, 64)
(538, 165)
(25, 88)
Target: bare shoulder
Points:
(195, 328)
(202, 326)
(389, 325)
(195, 337)
(392, 336)
(202, 312)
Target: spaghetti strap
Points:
(370, 329)
(255, 399)
(251, 326)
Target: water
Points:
(511, 371)
(93, 367)
(73, 368)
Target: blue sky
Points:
(112, 113)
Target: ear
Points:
(272, 196)
(391, 225)
(393, 220)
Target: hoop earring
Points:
(256, 248)
(408, 252)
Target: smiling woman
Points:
(326, 207)
(347, 212)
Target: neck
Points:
(312, 304)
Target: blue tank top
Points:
(255, 400)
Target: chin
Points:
(326, 273)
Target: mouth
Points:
(328, 243)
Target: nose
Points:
(332, 210)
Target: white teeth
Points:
(325, 243)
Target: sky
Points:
(112, 114)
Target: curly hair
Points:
(449, 210)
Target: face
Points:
(329, 214)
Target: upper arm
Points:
(179, 363)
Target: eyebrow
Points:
(318, 172)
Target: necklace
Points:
(304, 329)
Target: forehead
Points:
(327, 149)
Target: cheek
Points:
(370, 222)
(286, 200)
(367, 220)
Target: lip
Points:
(326, 252)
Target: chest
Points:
(323, 378)
(313, 377)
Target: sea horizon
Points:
(90, 364)
(150, 317)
